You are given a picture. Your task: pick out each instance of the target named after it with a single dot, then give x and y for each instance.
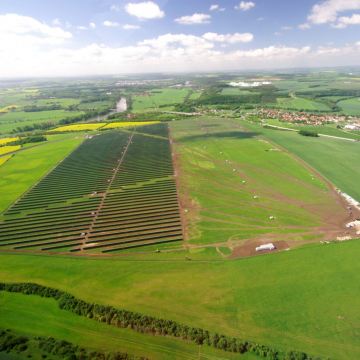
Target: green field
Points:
(300, 103)
(334, 159)
(10, 121)
(350, 106)
(168, 96)
(94, 105)
(25, 168)
(141, 103)
(325, 129)
(216, 156)
(295, 306)
(195, 95)
(21, 313)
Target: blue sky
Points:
(78, 37)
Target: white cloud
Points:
(304, 26)
(287, 28)
(231, 39)
(130, 27)
(244, 6)
(163, 41)
(194, 19)
(344, 21)
(260, 18)
(115, 8)
(358, 43)
(56, 22)
(222, 9)
(278, 33)
(109, 23)
(145, 10)
(214, 7)
(18, 24)
(68, 25)
(81, 27)
(327, 11)
(92, 25)
(328, 51)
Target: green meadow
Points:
(350, 106)
(216, 156)
(141, 103)
(167, 96)
(300, 103)
(334, 159)
(25, 168)
(320, 129)
(10, 121)
(20, 313)
(304, 299)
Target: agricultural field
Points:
(115, 125)
(10, 121)
(123, 197)
(168, 96)
(3, 159)
(7, 149)
(320, 129)
(350, 106)
(334, 159)
(161, 218)
(8, 140)
(195, 95)
(27, 167)
(230, 296)
(141, 103)
(79, 127)
(94, 105)
(300, 103)
(232, 184)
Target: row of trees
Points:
(308, 133)
(61, 349)
(34, 108)
(148, 324)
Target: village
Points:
(302, 118)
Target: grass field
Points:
(295, 306)
(300, 103)
(95, 105)
(90, 334)
(215, 157)
(27, 167)
(168, 96)
(195, 95)
(10, 121)
(141, 103)
(350, 106)
(334, 159)
(326, 129)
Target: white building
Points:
(269, 246)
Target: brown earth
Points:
(248, 249)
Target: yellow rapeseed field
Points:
(128, 123)
(7, 140)
(79, 127)
(7, 108)
(4, 159)
(7, 149)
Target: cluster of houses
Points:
(305, 117)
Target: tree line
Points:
(62, 349)
(148, 324)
